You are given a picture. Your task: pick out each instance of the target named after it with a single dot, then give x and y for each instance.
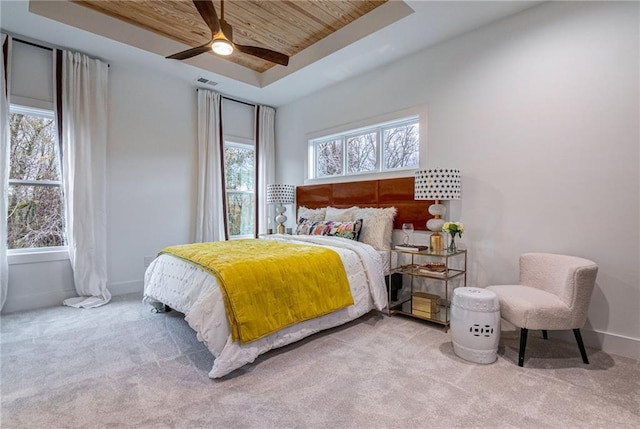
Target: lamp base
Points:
(436, 242)
(281, 219)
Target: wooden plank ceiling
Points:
(283, 26)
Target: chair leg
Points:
(583, 352)
(523, 345)
(544, 334)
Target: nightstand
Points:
(432, 307)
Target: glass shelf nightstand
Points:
(421, 267)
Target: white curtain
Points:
(210, 211)
(266, 163)
(4, 164)
(83, 118)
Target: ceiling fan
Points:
(221, 41)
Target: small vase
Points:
(452, 245)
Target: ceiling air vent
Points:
(205, 81)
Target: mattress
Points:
(194, 292)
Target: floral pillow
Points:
(350, 230)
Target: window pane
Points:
(361, 152)
(240, 179)
(239, 168)
(401, 146)
(35, 217)
(241, 209)
(329, 158)
(34, 154)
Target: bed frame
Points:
(381, 193)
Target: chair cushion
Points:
(531, 308)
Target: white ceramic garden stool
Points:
(475, 324)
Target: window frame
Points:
(37, 254)
(243, 143)
(342, 134)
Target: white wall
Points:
(540, 112)
(152, 169)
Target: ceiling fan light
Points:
(222, 47)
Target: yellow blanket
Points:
(268, 285)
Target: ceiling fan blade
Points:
(265, 54)
(208, 12)
(191, 52)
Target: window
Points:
(35, 210)
(383, 147)
(239, 164)
(361, 152)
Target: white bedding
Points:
(389, 259)
(196, 293)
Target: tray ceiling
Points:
(388, 33)
(284, 26)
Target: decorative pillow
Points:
(311, 214)
(349, 230)
(377, 226)
(341, 215)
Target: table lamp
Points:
(280, 195)
(437, 184)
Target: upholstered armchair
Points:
(553, 294)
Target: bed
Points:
(197, 292)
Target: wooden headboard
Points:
(381, 193)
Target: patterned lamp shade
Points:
(280, 194)
(437, 184)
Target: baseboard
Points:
(54, 298)
(125, 288)
(37, 300)
(609, 343)
(605, 341)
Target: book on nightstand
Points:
(433, 269)
(411, 247)
(422, 270)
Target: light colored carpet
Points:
(122, 366)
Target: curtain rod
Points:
(248, 103)
(33, 44)
(239, 101)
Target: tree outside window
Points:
(35, 210)
(329, 158)
(239, 166)
(362, 152)
(401, 146)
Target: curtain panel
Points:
(211, 210)
(81, 112)
(4, 163)
(265, 144)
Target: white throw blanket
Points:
(195, 293)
